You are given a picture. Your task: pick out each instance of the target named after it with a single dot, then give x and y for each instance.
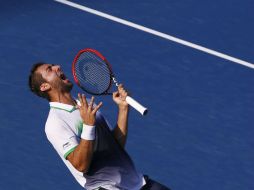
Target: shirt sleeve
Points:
(63, 139)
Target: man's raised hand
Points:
(87, 111)
(119, 97)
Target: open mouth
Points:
(63, 77)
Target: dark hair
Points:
(35, 81)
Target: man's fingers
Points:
(122, 92)
(120, 86)
(115, 94)
(80, 99)
(84, 101)
(90, 106)
(97, 108)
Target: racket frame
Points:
(112, 78)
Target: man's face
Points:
(55, 77)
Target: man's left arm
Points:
(121, 130)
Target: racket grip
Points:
(136, 105)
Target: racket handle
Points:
(136, 105)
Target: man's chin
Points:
(66, 86)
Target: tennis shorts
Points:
(153, 185)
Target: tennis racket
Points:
(93, 73)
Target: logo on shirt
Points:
(66, 145)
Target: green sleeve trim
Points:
(70, 151)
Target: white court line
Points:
(157, 33)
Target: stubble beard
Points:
(63, 87)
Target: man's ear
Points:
(45, 86)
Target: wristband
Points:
(88, 132)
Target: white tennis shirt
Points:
(111, 166)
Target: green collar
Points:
(61, 106)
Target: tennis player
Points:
(93, 151)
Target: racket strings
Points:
(93, 73)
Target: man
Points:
(92, 151)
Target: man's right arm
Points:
(81, 157)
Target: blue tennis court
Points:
(199, 130)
